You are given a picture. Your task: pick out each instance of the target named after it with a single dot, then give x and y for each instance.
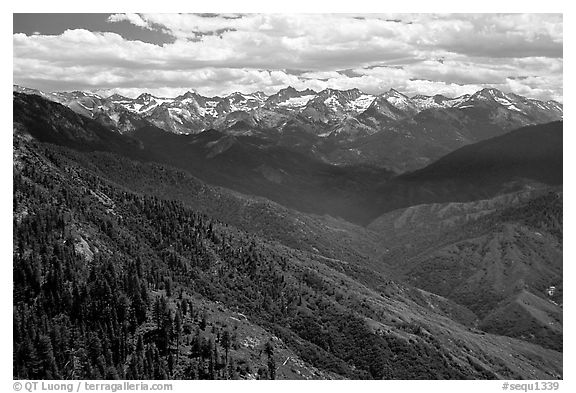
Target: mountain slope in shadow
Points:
(528, 157)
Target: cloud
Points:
(489, 35)
(459, 72)
(217, 54)
(134, 19)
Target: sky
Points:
(217, 54)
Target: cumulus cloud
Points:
(219, 54)
(135, 19)
(491, 35)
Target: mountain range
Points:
(300, 235)
(343, 127)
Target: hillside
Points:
(157, 285)
(325, 237)
(484, 254)
(253, 166)
(529, 317)
(529, 157)
(534, 150)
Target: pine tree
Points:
(269, 350)
(178, 328)
(225, 341)
(46, 358)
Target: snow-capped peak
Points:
(145, 97)
(118, 97)
(188, 94)
(399, 100)
(361, 103)
(427, 102)
(290, 98)
(192, 112)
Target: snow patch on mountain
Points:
(340, 113)
(296, 102)
(361, 103)
(454, 102)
